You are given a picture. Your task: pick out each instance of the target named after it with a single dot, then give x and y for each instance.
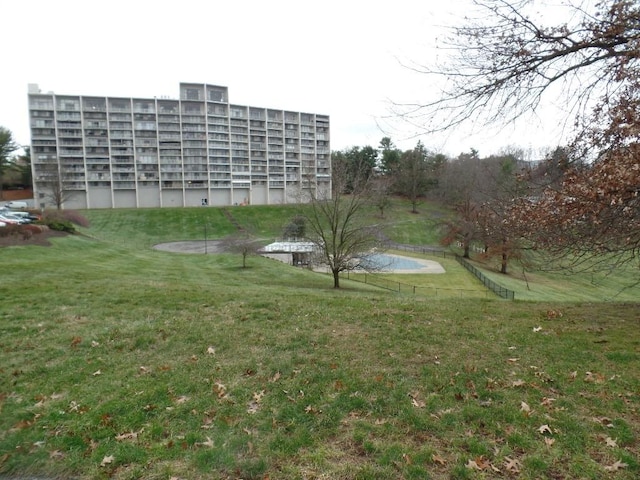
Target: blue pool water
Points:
(387, 262)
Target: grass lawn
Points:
(119, 361)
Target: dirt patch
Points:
(41, 239)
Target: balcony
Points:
(118, 135)
(171, 175)
(65, 152)
(196, 184)
(170, 184)
(37, 104)
(124, 185)
(99, 177)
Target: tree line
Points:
(15, 167)
(480, 191)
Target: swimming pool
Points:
(382, 261)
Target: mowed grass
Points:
(118, 361)
(619, 284)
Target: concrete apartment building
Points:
(107, 152)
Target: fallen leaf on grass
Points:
(220, 390)
(127, 436)
(544, 429)
(537, 329)
(208, 443)
(107, 460)
(610, 442)
(276, 377)
(547, 401)
(606, 421)
(512, 465)
(616, 466)
(524, 407)
(479, 463)
(56, 454)
(181, 399)
(438, 459)
(253, 408)
(551, 314)
(594, 377)
(311, 409)
(211, 350)
(96, 373)
(472, 465)
(548, 441)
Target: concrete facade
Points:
(198, 150)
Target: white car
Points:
(16, 204)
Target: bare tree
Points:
(243, 243)
(338, 225)
(381, 193)
(52, 183)
(458, 188)
(506, 63)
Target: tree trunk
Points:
(505, 258)
(466, 251)
(336, 279)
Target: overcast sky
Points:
(340, 58)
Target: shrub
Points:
(59, 225)
(63, 220)
(33, 229)
(75, 217)
(10, 229)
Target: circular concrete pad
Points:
(199, 246)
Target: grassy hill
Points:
(119, 361)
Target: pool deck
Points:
(428, 266)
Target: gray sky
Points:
(340, 58)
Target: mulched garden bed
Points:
(42, 238)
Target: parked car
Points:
(16, 204)
(10, 219)
(19, 214)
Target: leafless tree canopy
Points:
(506, 61)
(337, 224)
(503, 61)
